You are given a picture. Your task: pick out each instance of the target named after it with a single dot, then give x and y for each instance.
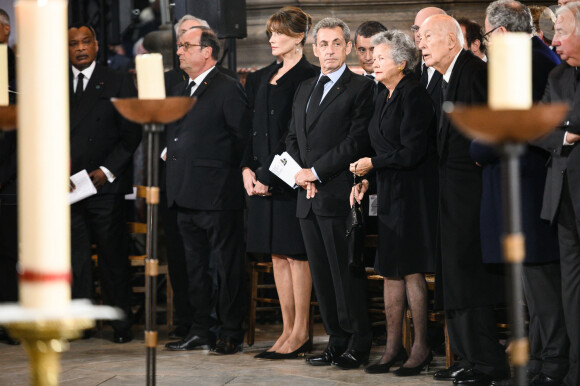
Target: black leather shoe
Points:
(122, 336)
(449, 374)
(179, 332)
(352, 359)
(327, 356)
(544, 380)
(191, 342)
(473, 377)
(410, 371)
(299, 352)
(226, 347)
(381, 368)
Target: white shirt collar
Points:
(87, 72)
(335, 76)
(201, 76)
(447, 74)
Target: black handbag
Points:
(355, 234)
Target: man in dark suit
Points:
(561, 204)
(328, 131)
(364, 50)
(541, 270)
(428, 77)
(102, 142)
(204, 151)
(469, 290)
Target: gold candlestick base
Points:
(44, 341)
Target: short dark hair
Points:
(368, 29)
(473, 32)
(208, 39)
(81, 25)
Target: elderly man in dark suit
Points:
(102, 143)
(204, 183)
(328, 131)
(561, 203)
(469, 290)
(541, 271)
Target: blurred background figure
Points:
(474, 39)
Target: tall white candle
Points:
(43, 153)
(3, 75)
(150, 80)
(510, 71)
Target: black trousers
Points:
(100, 219)
(8, 253)
(176, 263)
(472, 336)
(341, 293)
(547, 330)
(569, 240)
(218, 236)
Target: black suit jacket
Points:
(466, 281)
(337, 136)
(204, 149)
(541, 238)
(99, 135)
(433, 88)
(562, 86)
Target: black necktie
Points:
(443, 90)
(376, 88)
(79, 90)
(370, 77)
(187, 91)
(424, 76)
(315, 99)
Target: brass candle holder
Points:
(510, 130)
(152, 114)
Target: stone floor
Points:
(98, 361)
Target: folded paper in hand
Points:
(83, 187)
(285, 168)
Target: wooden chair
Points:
(138, 266)
(258, 296)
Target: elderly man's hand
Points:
(98, 178)
(311, 190)
(304, 176)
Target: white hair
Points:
(202, 22)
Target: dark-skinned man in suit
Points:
(469, 289)
(561, 204)
(102, 142)
(328, 131)
(204, 183)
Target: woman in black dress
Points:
(272, 224)
(402, 133)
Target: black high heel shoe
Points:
(381, 368)
(264, 354)
(409, 371)
(300, 352)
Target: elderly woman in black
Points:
(272, 224)
(402, 133)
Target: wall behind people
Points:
(254, 51)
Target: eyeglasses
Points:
(186, 46)
(486, 35)
(415, 28)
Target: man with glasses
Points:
(364, 50)
(204, 184)
(541, 270)
(561, 203)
